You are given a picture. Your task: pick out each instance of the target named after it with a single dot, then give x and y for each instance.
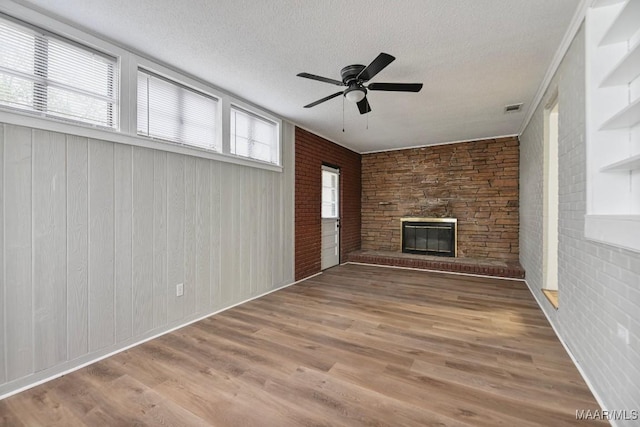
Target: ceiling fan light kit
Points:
(354, 78)
(355, 94)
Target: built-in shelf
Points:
(624, 25)
(624, 71)
(613, 51)
(628, 164)
(627, 117)
(617, 230)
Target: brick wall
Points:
(598, 285)
(311, 152)
(475, 182)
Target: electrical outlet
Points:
(623, 333)
(179, 289)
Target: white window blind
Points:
(253, 136)
(48, 75)
(170, 111)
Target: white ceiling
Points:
(473, 56)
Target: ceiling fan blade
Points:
(364, 106)
(396, 87)
(320, 79)
(376, 66)
(320, 101)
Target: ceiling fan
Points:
(354, 78)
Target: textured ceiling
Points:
(473, 56)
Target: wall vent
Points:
(513, 108)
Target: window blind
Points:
(253, 136)
(170, 111)
(42, 73)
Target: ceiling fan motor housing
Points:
(350, 73)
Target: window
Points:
(43, 74)
(253, 136)
(329, 193)
(613, 124)
(170, 111)
(58, 78)
(550, 203)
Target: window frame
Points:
(187, 86)
(40, 107)
(259, 114)
(129, 62)
(335, 172)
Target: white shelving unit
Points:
(626, 70)
(624, 25)
(629, 116)
(613, 123)
(628, 164)
(618, 103)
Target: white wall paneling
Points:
(101, 245)
(77, 247)
(17, 244)
(3, 372)
(203, 236)
(241, 263)
(142, 240)
(175, 234)
(160, 288)
(95, 236)
(254, 225)
(189, 235)
(226, 176)
(123, 240)
(276, 272)
(219, 210)
(263, 245)
(49, 249)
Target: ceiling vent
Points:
(513, 108)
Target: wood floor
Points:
(357, 345)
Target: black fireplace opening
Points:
(436, 237)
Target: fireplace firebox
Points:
(429, 236)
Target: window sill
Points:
(617, 230)
(28, 120)
(552, 296)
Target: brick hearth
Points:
(482, 266)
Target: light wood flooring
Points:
(357, 345)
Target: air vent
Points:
(513, 108)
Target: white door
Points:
(330, 217)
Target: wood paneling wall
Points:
(95, 236)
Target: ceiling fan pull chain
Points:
(367, 122)
(343, 114)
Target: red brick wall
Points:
(476, 182)
(311, 152)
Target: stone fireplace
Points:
(474, 182)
